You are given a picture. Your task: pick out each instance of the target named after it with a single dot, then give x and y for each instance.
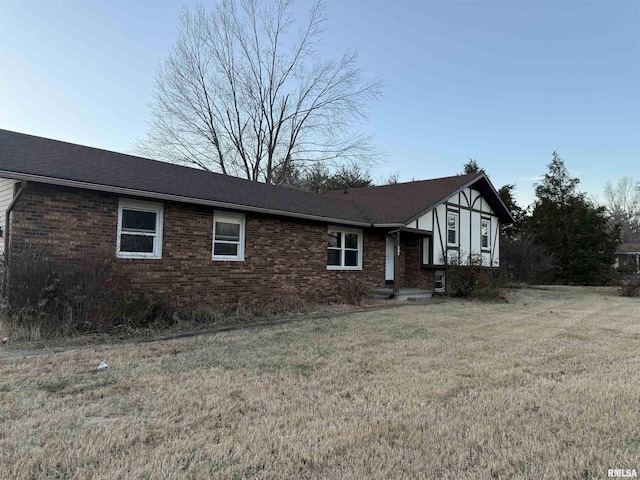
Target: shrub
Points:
(628, 281)
(522, 260)
(354, 292)
(49, 296)
(474, 280)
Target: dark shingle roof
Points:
(40, 159)
(26, 154)
(407, 201)
(628, 248)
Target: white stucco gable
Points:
(464, 225)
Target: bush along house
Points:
(195, 237)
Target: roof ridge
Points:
(349, 189)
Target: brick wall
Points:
(414, 276)
(282, 256)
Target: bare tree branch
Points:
(242, 94)
(622, 202)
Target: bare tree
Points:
(393, 179)
(242, 94)
(622, 201)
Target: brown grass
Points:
(546, 386)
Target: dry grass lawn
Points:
(545, 386)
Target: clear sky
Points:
(503, 82)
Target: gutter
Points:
(175, 198)
(182, 199)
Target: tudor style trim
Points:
(481, 176)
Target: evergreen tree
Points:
(471, 167)
(572, 229)
(506, 195)
(557, 186)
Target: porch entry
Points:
(413, 257)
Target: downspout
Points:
(7, 228)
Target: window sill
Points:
(227, 259)
(144, 256)
(334, 267)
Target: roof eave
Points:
(387, 225)
(481, 175)
(174, 198)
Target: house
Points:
(628, 256)
(203, 238)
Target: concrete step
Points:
(381, 293)
(404, 295)
(413, 295)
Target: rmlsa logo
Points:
(622, 473)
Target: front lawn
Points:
(545, 386)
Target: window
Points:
(438, 281)
(452, 229)
(228, 236)
(426, 251)
(139, 229)
(485, 239)
(344, 249)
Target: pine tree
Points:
(572, 229)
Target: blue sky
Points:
(504, 82)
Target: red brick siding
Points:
(64, 221)
(282, 256)
(414, 276)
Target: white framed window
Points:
(426, 251)
(228, 236)
(344, 249)
(139, 229)
(485, 234)
(452, 229)
(438, 281)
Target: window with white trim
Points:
(485, 234)
(438, 281)
(228, 236)
(426, 251)
(452, 229)
(344, 249)
(139, 229)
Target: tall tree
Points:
(243, 94)
(557, 186)
(572, 229)
(622, 201)
(471, 167)
(506, 195)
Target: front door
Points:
(389, 260)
